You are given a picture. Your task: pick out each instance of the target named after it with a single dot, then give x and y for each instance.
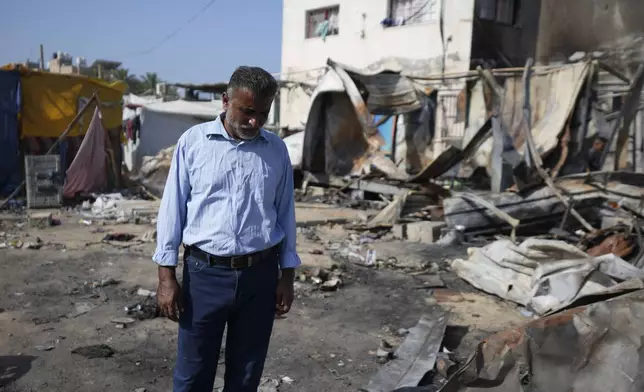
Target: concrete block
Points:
(426, 232)
(41, 219)
(398, 231)
(315, 191)
(612, 221)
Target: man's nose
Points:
(252, 122)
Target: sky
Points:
(207, 50)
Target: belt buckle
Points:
(239, 262)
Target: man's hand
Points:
(285, 293)
(169, 294)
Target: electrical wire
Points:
(173, 33)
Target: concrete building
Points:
(362, 32)
(447, 35)
(63, 63)
(493, 33)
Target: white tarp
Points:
(140, 99)
(544, 275)
(295, 144)
(162, 123)
(134, 99)
(207, 110)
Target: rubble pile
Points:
(154, 171)
(522, 208)
(116, 207)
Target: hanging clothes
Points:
(88, 171)
(322, 29)
(128, 129)
(136, 128)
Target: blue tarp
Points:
(9, 140)
(386, 130)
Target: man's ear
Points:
(226, 100)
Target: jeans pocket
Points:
(195, 265)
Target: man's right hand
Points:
(169, 294)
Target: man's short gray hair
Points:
(255, 79)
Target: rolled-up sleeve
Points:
(285, 204)
(172, 213)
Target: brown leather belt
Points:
(243, 261)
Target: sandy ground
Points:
(67, 294)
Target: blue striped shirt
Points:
(226, 197)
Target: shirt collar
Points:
(219, 130)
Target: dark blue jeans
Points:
(243, 299)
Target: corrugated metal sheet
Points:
(334, 139)
(389, 93)
(413, 68)
(414, 136)
(553, 95)
(392, 84)
(594, 348)
(9, 147)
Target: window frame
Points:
(308, 14)
(512, 17)
(433, 15)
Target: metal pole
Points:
(42, 57)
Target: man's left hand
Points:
(285, 292)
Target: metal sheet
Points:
(415, 356)
(334, 141)
(390, 93)
(553, 94)
(414, 68)
(544, 275)
(595, 348)
(452, 156)
(363, 114)
(363, 185)
(395, 85)
(587, 190)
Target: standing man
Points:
(229, 200)
(595, 153)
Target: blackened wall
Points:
(503, 43)
(568, 26)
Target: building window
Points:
(322, 22)
(404, 12)
(500, 11)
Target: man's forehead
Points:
(248, 98)
(248, 94)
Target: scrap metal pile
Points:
(560, 237)
(506, 129)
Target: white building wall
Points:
(362, 40)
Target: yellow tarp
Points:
(50, 101)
